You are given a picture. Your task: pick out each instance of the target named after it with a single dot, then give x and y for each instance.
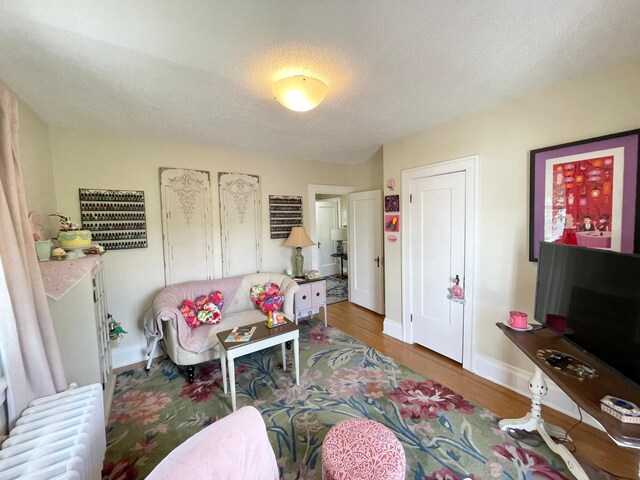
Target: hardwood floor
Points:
(591, 444)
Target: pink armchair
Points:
(235, 447)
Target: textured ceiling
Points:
(201, 71)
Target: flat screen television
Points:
(592, 297)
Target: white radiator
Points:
(58, 437)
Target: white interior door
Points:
(365, 250)
(437, 251)
(327, 213)
(186, 225)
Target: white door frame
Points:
(469, 166)
(310, 225)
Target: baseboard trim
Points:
(128, 355)
(392, 328)
(518, 380)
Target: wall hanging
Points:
(285, 212)
(187, 235)
(586, 193)
(392, 223)
(240, 223)
(116, 218)
(392, 203)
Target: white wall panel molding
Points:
(240, 223)
(186, 225)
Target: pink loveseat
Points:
(186, 346)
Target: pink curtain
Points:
(28, 344)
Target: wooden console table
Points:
(585, 392)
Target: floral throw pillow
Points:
(204, 309)
(190, 313)
(266, 297)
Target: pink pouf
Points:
(360, 448)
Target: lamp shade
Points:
(299, 93)
(298, 238)
(339, 234)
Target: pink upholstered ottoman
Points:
(360, 448)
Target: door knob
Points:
(377, 260)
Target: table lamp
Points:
(298, 238)
(339, 235)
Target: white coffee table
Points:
(262, 338)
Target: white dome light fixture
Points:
(299, 93)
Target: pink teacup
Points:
(518, 320)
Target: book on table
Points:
(241, 334)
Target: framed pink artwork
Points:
(585, 193)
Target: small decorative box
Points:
(623, 410)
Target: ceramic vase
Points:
(43, 249)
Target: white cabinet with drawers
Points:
(311, 295)
(80, 320)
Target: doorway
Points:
(328, 220)
(438, 252)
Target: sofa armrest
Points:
(288, 290)
(163, 306)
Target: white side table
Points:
(311, 295)
(262, 338)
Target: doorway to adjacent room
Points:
(327, 225)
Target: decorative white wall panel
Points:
(186, 225)
(240, 223)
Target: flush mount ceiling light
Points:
(299, 93)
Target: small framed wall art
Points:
(392, 203)
(392, 223)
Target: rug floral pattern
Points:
(444, 436)
(337, 289)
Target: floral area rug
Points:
(336, 289)
(444, 436)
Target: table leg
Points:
(572, 464)
(533, 421)
(223, 366)
(296, 359)
(232, 383)
(325, 314)
(284, 356)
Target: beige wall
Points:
(502, 137)
(92, 160)
(35, 161)
(366, 175)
